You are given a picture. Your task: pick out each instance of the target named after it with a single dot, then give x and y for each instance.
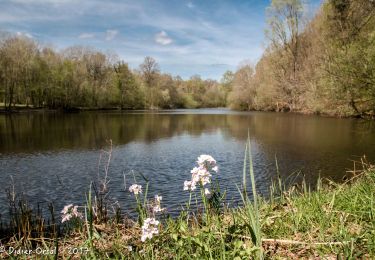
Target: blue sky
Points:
(205, 37)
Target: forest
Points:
(82, 77)
(321, 64)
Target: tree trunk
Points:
(11, 93)
(353, 105)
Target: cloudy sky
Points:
(205, 37)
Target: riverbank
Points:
(335, 220)
(27, 109)
(24, 109)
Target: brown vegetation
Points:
(325, 65)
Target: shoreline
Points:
(113, 109)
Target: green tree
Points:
(130, 94)
(350, 59)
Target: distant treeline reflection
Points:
(55, 131)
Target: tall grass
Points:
(252, 207)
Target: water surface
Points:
(53, 157)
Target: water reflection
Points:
(48, 154)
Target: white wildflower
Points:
(206, 191)
(66, 209)
(189, 185)
(136, 189)
(158, 198)
(157, 207)
(70, 211)
(66, 217)
(201, 175)
(149, 229)
(206, 161)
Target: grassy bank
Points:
(334, 220)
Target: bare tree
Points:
(150, 71)
(17, 61)
(285, 21)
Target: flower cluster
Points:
(157, 206)
(208, 162)
(136, 189)
(201, 175)
(70, 211)
(149, 229)
(150, 225)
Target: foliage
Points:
(81, 77)
(322, 65)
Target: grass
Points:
(335, 221)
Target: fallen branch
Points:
(294, 242)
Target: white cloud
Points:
(163, 38)
(190, 5)
(41, 1)
(24, 34)
(86, 36)
(110, 35)
(204, 39)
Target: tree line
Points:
(82, 77)
(324, 64)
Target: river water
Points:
(53, 157)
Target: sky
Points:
(186, 37)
